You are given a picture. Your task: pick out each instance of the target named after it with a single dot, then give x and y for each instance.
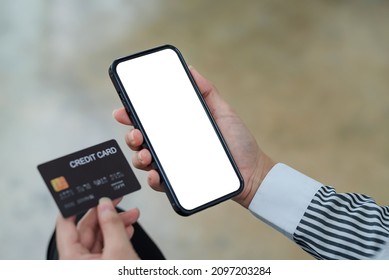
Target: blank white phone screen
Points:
(178, 128)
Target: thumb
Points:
(116, 242)
(214, 100)
(205, 86)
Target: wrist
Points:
(262, 168)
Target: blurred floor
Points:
(310, 79)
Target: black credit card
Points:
(77, 181)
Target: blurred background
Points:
(309, 78)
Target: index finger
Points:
(121, 116)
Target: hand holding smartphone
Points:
(164, 103)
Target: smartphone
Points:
(189, 152)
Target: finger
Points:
(67, 238)
(89, 231)
(134, 139)
(87, 228)
(116, 201)
(142, 159)
(214, 100)
(116, 243)
(121, 116)
(130, 231)
(154, 181)
(205, 86)
(130, 216)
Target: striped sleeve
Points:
(343, 226)
(326, 224)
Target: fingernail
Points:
(131, 137)
(105, 204)
(140, 157)
(191, 68)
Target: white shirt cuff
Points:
(283, 198)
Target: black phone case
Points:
(137, 124)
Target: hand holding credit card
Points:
(77, 181)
